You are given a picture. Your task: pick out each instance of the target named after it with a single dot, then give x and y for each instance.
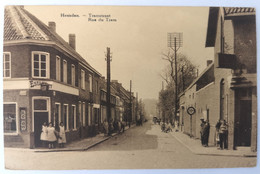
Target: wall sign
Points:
(23, 121)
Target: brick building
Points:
(45, 80)
(226, 89)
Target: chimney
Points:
(209, 62)
(72, 41)
(52, 26)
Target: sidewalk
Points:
(194, 145)
(79, 145)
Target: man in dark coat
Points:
(206, 133)
(202, 131)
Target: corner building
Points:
(45, 80)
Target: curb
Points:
(213, 154)
(81, 149)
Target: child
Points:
(44, 134)
(51, 135)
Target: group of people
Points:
(221, 133)
(113, 126)
(50, 136)
(166, 127)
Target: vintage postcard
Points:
(129, 87)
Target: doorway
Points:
(245, 125)
(41, 114)
(39, 119)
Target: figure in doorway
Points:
(62, 135)
(51, 135)
(44, 134)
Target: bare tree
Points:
(186, 73)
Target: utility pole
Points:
(130, 112)
(175, 41)
(108, 59)
(136, 108)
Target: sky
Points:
(137, 39)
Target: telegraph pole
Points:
(136, 108)
(175, 41)
(108, 59)
(130, 112)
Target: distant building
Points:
(226, 89)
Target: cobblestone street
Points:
(144, 147)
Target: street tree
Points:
(186, 73)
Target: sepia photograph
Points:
(129, 87)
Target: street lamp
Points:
(175, 41)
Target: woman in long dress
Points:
(44, 134)
(62, 135)
(51, 136)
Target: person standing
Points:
(206, 133)
(223, 134)
(51, 135)
(62, 135)
(202, 130)
(44, 134)
(217, 133)
(105, 125)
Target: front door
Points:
(39, 119)
(245, 125)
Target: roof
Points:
(212, 26)
(20, 25)
(198, 78)
(238, 11)
(229, 12)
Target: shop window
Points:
(66, 116)
(40, 65)
(74, 118)
(84, 113)
(89, 114)
(10, 118)
(7, 65)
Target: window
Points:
(80, 117)
(10, 118)
(57, 114)
(7, 65)
(83, 79)
(84, 113)
(96, 87)
(73, 75)
(40, 65)
(90, 83)
(89, 114)
(66, 116)
(74, 118)
(65, 76)
(58, 68)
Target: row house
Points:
(227, 87)
(45, 80)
